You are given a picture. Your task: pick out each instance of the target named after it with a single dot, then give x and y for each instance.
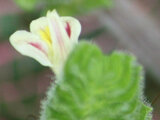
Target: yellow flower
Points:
(49, 41)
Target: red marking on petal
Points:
(38, 46)
(68, 29)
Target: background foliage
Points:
(64, 7)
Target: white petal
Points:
(60, 39)
(75, 27)
(38, 24)
(30, 45)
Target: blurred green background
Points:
(108, 23)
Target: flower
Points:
(49, 41)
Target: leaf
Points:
(74, 7)
(64, 7)
(27, 5)
(97, 87)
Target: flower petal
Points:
(41, 28)
(73, 28)
(30, 45)
(60, 39)
(38, 24)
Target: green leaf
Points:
(64, 7)
(27, 4)
(90, 4)
(97, 87)
(74, 7)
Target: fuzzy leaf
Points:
(97, 87)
